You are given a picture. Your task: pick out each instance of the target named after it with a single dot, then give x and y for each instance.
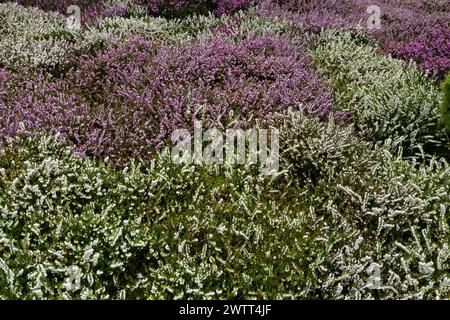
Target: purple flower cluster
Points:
(127, 101)
(430, 49)
(182, 7)
(416, 29)
(91, 9)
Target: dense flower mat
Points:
(92, 207)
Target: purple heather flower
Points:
(127, 101)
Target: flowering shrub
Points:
(414, 30)
(32, 39)
(389, 101)
(90, 8)
(179, 8)
(87, 231)
(128, 100)
(430, 50)
(377, 205)
(92, 206)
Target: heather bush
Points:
(314, 150)
(431, 50)
(32, 39)
(414, 30)
(377, 212)
(92, 207)
(165, 231)
(35, 41)
(250, 23)
(127, 101)
(90, 9)
(181, 8)
(389, 100)
(111, 31)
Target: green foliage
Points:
(344, 204)
(390, 102)
(75, 228)
(445, 104)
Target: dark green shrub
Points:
(445, 105)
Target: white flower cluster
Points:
(390, 102)
(31, 38)
(342, 220)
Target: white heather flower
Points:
(116, 265)
(426, 268)
(87, 254)
(358, 242)
(445, 283)
(95, 258)
(221, 229)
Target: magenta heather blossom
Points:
(416, 29)
(127, 101)
(431, 50)
(183, 7)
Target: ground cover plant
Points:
(94, 206)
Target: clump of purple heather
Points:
(116, 10)
(414, 30)
(127, 101)
(431, 50)
(175, 8)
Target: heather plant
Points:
(92, 207)
(409, 30)
(314, 150)
(116, 30)
(181, 8)
(388, 100)
(90, 8)
(123, 8)
(126, 101)
(431, 50)
(307, 22)
(35, 41)
(395, 213)
(250, 23)
(164, 231)
(91, 11)
(32, 39)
